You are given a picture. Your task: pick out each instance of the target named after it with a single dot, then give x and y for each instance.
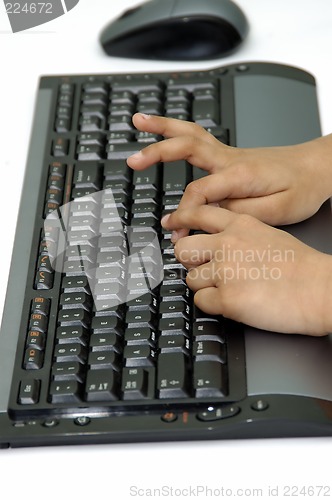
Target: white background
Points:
(295, 32)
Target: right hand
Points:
(253, 273)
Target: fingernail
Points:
(164, 220)
(144, 115)
(135, 156)
(174, 237)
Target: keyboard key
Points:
(120, 137)
(60, 147)
(70, 352)
(89, 152)
(109, 341)
(209, 350)
(174, 325)
(174, 292)
(139, 355)
(65, 391)
(38, 322)
(75, 299)
(174, 343)
(102, 385)
(29, 392)
(99, 360)
(74, 317)
(95, 98)
(136, 85)
(174, 276)
(147, 179)
(62, 124)
(107, 324)
(140, 318)
(72, 335)
(87, 174)
(210, 379)
(120, 123)
(41, 305)
(68, 370)
(33, 359)
(176, 176)
(190, 84)
(91, 124)
(122, 151)
(173, 375)
(172, 309)
(36, 339)
(117, 169)
(44, 280)
(208, 330)
(96, 86)
(140, 335)
(135, 382)
(92, 138)
(75, 284)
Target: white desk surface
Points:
(295, 32)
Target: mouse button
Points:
(224, 10)
(194, 8)
(152, 10)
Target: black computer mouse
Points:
(176, 30)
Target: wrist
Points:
(317, 154)
(326, 299)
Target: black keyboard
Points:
(110, 318)
(107, 324)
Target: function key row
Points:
(44, 275)
(36, 336)
(55, 187)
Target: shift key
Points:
(173, 375)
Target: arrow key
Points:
(210, 379)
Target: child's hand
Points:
(279, 185)
(253, 273)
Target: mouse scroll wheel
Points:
(129, 12)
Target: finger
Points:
(205, 218)
(170, 127)
(203, 276)
(184, 147)
(213, 188)
(273, 209)
(208, 300)
(232, 183)
(196, 250)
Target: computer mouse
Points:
(177, 30)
